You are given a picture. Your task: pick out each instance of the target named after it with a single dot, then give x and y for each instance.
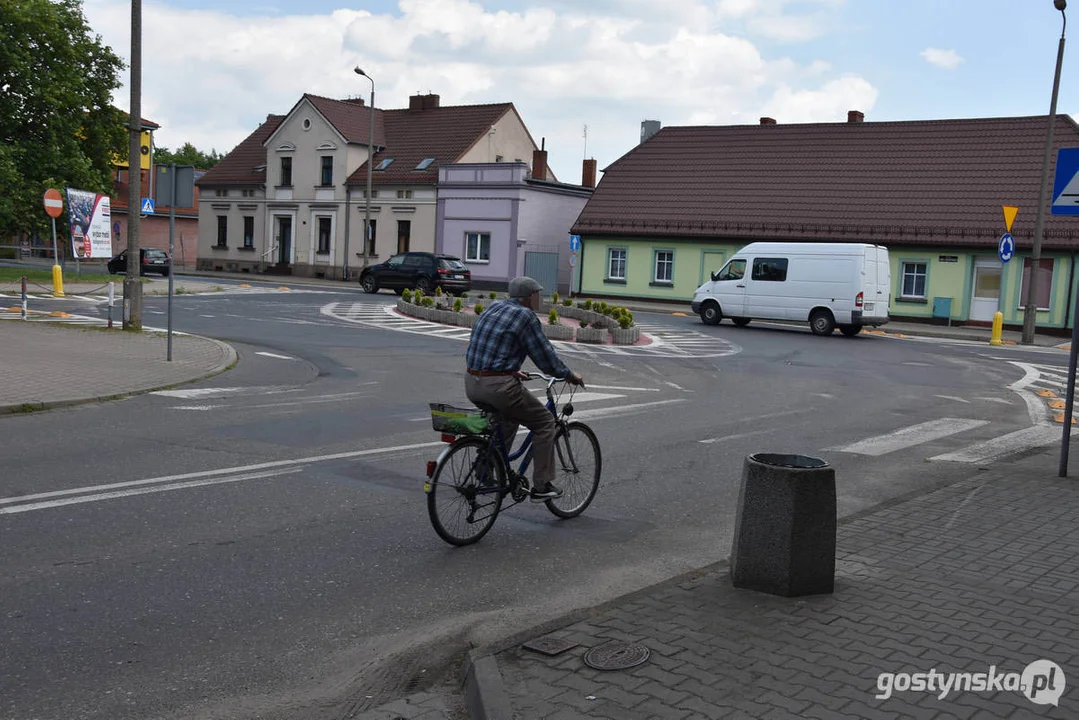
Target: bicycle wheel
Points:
(579, 466)
(463, 500)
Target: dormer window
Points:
(425, 163)
(384, 164)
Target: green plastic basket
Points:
(458, 421)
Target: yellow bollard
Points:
(57, 281)
(998, 328)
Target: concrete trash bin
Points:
(785, 532)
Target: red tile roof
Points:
(240, 166)
(924, 182)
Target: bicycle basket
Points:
(458, 421)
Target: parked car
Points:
(153, 260)
(421, 270)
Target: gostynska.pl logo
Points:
(1041, 682)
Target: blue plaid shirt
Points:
(504, 334)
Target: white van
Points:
(828, 285)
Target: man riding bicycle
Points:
(503, 335)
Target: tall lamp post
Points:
(370, 159)
(1030, 310)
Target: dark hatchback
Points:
(421, 270)
(153, 261)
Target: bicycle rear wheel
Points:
(577, 473)
(463, 498)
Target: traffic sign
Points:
(147, 206)
(1066, 183)
(574, 242)
(573, 260)
(1006, 247)
(54, 203)
(1010, 211)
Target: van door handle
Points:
(740, 285)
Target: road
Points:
(257, 545)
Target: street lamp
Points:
(1030, 310)
(370, 159)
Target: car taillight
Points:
(858, 299)
(431, 464)
(442, 272)
(145, 260)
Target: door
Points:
(392, 273)
(404, 235)
(543, 268)
(415, 267)
(985, 299)
(729, 288)
(284, 239)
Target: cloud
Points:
(947, 59)
(210, 78)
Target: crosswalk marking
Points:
(910, 436)
(1014, 442)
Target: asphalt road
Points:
(257, 545)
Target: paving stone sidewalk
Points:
(977, 574)
(44, 366)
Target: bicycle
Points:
(471, 478)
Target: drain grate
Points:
(616, 656)
(549, 645)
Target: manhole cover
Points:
(549, 645)
(615, 656)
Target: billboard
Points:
(88, 216)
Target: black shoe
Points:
(544, 494)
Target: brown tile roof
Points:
(924, 182)
(239, 166)
(351, 119)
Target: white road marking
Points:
(733, 437)
(274, 355)
(620, 410)
(953, 397)
(617, 387)
(194, 407)
(909, 436)
(1018, 441)
(996, 400)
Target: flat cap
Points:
(523, 286)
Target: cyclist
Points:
(503, 335)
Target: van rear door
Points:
(876, 287)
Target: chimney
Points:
(855, 116)
(768, 121)
(539, 162)
(430, 101)
(415, 103)
(588, 174)
(649, 128)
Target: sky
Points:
(214, 69)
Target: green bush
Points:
(599, 325)
(552, 317)
(587, 304)
(584, 323)
(554, 298)
(406, 295)
(624, 321)
(603, 306)
(438, 291)
(458, 304)
(416, 295)
(567, 303)
(478, 309)
(428, 302)
(493, 295)
(627, 314)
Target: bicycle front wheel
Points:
(464, 497)
(579, 465)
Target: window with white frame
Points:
(1045, 282)
(914, 278)
(325, 231)
(249, 231)
(664, 267)
(478, 247)
(616, 263)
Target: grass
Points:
(14, 274)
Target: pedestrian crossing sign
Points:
(147, 206)
(1066, 183)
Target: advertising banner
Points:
(88, 215)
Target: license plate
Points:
(458, 277)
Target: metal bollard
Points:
(998, 328)
(23, 297)
(112, 295)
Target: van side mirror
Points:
(714, 275)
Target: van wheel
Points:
(740, 322)
(850, 330)
(821, 322)
(710, 314)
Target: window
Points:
(286, 172)
(221, 193)
(664, 270)
(384, 164)
(734, 270)
(249, 231)
(374, 194)
(404, 235)
(1045, 282)
(404, 193)
(327, 170)
(616, 263)
(770, 269)
(914, 275)
(222, 231)
(325, 228)
(371, 237)
(425, 163)
(478, 247)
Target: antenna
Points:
(585, 142)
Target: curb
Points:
(231, 358)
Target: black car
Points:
(420, 270)
(153, 261)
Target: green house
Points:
(677, 206)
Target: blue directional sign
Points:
(574, 243)
(1066, 183)
(1006, 247)
(147, 206)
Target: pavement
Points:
(977, 577)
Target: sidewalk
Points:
(976, 577)
(45, 366)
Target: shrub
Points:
(599, 325)
(406, 295)
(438, 291)
(567, 303)
(478, 309)
(587, 304)
(493, 295)
(428, 302)
(584, 323)
(627, 314)
(458, 304)
(624, 321)
(552, 317)
(416, 295)
(603, 306)
(554, 298)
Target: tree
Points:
(187, 155)
(58, 127)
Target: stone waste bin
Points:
(785, 532)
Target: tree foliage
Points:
(187, 155)
(58, 127)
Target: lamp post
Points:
(370, 159)
(1030, 310)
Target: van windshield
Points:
(734, 270)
